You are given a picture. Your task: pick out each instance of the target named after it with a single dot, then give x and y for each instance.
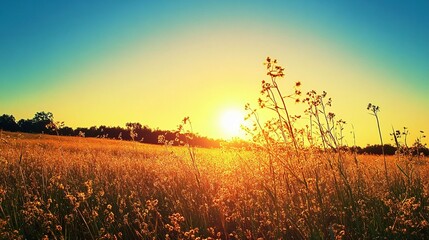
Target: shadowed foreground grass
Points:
(77, 188)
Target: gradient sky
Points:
(155, 62)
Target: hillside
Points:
(72, 187)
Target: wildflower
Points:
(94, 214)
(59, 228)
(169, 227)
(101, 193)
(185, 120)
(81, 196)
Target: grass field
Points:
(81, 188)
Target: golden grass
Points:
(79, 188)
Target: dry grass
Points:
(77, 188)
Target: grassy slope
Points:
(71, 187)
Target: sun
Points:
(230, 123)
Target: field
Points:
(56, 187)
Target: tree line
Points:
(43, 122)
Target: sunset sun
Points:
(230, 123)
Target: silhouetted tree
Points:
(133, 129)
(43, 122)
(66, 131)
(43, 117)
(8, 123)
(26, 125)
(378, 149)
(40, 122)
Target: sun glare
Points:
(230, 123)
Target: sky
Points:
(95, 63)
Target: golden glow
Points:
(230, 123)
(199, 72)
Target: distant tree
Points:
(43, 122)
(26, 125)
(92, 132)
(80, 131)
(66, 131)
(40, 122)
(133, 129)
(43, 117)
(379, 149)
(135, 126)
(145, 134)
(8, 123)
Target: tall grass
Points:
(77, 188)
(293, 184)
